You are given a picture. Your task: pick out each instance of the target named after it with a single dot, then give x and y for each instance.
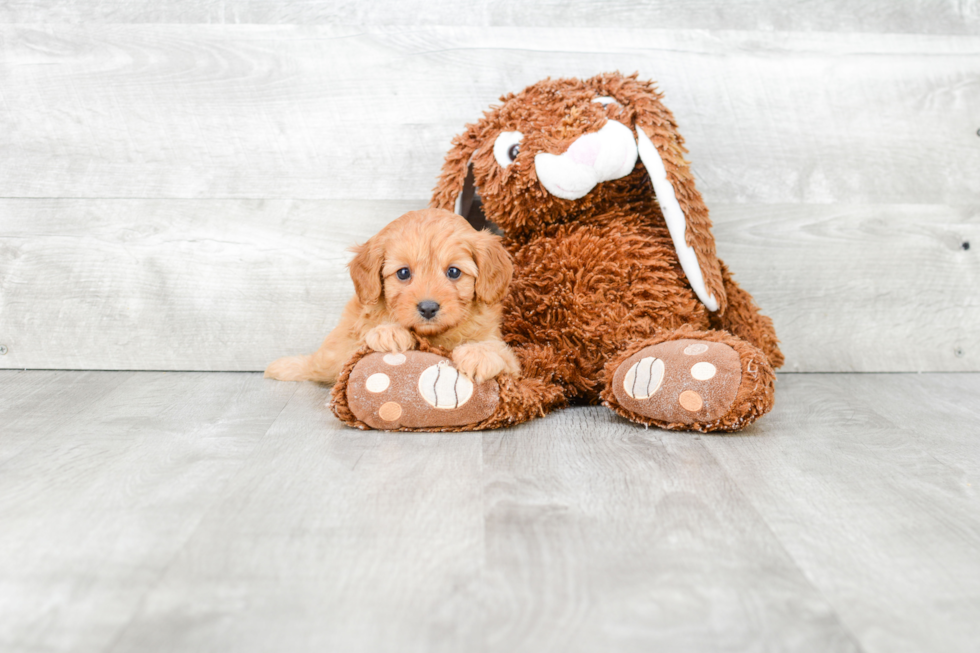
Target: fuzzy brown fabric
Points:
(518, 401)
(659, 382)
(753, 399)
(384, 392)
(598, 278)
(742, 319)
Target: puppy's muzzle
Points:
(428, 308)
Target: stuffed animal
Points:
(618, 296)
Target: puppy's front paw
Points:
(389, 337)
(484, 360)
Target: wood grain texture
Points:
(914, 16)
(31, 403)
(861, 288)
(332, 540)
(871, 483)
(234, 284)
(602, 535)
(192, 285)
(212, 512)
(248, 111)
(97, 503)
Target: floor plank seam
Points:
(92, 401)
(151, 587)
(748, 502)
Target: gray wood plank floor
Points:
(225, 512)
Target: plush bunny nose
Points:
(585, 150)
(428, 308)
(607, 154)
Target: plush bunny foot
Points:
(713, 383)
(413, 390)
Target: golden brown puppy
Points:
(427, 275)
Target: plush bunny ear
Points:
(697, 265)
(661, 148)
(456, 190)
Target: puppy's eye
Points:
(453, 273)
(404, 274)
(506, 147)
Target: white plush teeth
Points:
(442, 386)
(644, 378)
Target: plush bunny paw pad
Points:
(416, 390)
(684, 381)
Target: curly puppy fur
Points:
(599, 276)
(428, 277)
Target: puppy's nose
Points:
(428, 308)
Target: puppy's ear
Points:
(494, 268)
(365, 270)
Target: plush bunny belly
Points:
(588, 289)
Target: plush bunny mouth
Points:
(605, 155)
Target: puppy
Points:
(427, 275)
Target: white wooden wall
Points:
(179, 181)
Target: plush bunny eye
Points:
(506, 147)
(453, 272)
(605, 100)
(403, 274)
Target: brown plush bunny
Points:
(618, 295)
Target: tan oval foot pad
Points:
(683, 381)
(416, 390)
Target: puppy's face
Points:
(432, 269)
